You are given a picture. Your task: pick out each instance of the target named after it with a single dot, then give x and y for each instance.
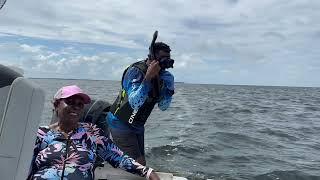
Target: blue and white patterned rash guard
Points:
(138, 90)
(54, 154)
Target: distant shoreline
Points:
(90, 79)
(244, 85)
(73, 79)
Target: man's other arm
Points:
(166, 91)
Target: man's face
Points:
(162, 54)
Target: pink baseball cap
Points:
(68, 91)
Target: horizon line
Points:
(180, 82)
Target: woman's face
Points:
(69, 110)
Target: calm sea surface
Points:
(225, 132)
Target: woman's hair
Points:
(55, 103)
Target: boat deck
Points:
(109, 173)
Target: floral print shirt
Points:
(73, 157)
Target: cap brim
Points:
(84, 96)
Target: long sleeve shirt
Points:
(54, 154)
(138, 90)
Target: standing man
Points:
(144, 84)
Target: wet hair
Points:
(161, 46)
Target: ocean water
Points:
(225, 132)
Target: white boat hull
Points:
(110, 173)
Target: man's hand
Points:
(153, 70)
(154, 176)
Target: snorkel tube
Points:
(152, 56)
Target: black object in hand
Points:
(2, 2)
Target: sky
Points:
(233, 42)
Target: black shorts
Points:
(130, 143)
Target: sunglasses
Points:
(74, 103)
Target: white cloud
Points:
(41, 62)
(225, 71)
(5, 35)
(32, 49)
(258, 36)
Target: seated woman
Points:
(67, 149)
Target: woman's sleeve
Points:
(110, 152)
(33, 166)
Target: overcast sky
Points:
(253, 42)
